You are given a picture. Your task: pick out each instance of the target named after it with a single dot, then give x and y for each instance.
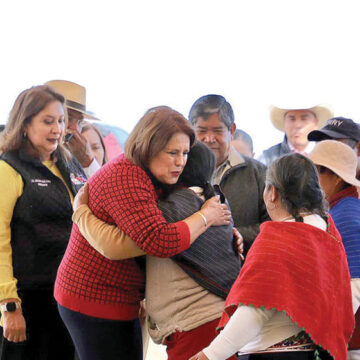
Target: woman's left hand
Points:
(82, 197)
(199, 356)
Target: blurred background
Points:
(132, 55)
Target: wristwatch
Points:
(10, 306)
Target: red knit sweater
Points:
(120, 193)
(301, 270)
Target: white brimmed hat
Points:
(337, 157)
(74, 94)
(322, 113)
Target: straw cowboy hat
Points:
(337, 157)
(75, 95)
(322, 113)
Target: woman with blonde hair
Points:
(38, 181)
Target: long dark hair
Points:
(296, 179)
(199, 169)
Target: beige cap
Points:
(337, 157)
(74, 94)
(322, 113)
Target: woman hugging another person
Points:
(185, 294)
(103, 295)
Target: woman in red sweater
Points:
(99, 298)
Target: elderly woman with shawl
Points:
(292, 299)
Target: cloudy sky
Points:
(132, 55)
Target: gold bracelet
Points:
(203, 216)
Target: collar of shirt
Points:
(307, 150)
(233, 159)
(199, 191)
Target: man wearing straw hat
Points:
(296, 123)
(75, 95)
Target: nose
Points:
(299, 124)
(56, 128)
(180, 160)
(208, 138)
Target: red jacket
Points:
(120, 193)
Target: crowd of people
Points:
(185, 236)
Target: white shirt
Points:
(250, 330)
(309, 147)
(92, 168)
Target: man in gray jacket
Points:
(240, 178)
(296, 123)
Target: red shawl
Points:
(301, 270)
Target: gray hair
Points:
(212, 104)
(295, 177)
(245, 137)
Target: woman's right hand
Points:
(216, 214)
(82, 197)
(14, 326)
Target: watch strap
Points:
(12, 304)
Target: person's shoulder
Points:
(121, 171)
(249, 165)
(7, 170)
(347, 203)
(272, 150)
(255, 163)
(185, 195)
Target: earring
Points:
(25, 135)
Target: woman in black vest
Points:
(38, 181)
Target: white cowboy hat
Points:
(74, 94)
(322, 113)
(338, 157)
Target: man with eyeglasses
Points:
(78, 145)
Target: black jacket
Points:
(41, 222)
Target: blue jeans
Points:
(98, 339)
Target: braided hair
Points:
(296, 180)
(199, 169)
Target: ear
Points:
(274, 194)
(232, 130)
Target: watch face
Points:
(11, 306)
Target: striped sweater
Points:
(345, 210)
